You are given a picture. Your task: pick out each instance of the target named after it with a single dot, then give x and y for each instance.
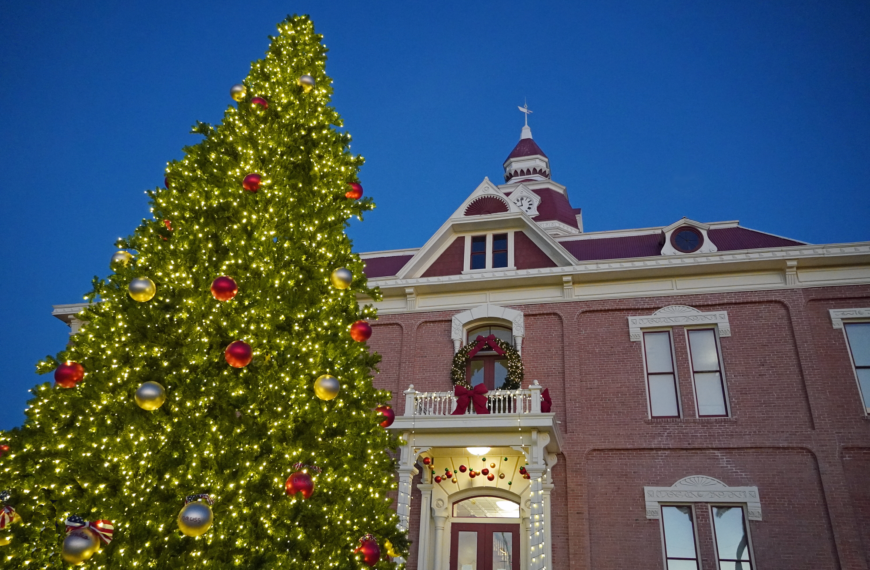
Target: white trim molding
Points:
(702, 489)
(839, 315)
(678, 315)
(460, 320)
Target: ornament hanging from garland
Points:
(301, 481)
(196, 517)
(360, 331)
(388, 414)
(224, 288)
(239, 354)
(355, 192)
(341, 278)
(427, 460)
(463, 468)
(327, 387)
(142, 289)
(68, 374)
(259, 104)
(514, 380)
(150, 396)
(8, 516)
(4, 449)
(83, 539)
(238, 92)
(122, 258)
(306, 82)
(370, 550)
(251, 183)
(438, 478)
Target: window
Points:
(486, 507)
(707, 373)
(499, 250)
(858, 335)
(678, 528)
(661, 378)
(487, 367)
(478, 252)
(732, 538)
(501, 333)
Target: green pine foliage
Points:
(232, 433)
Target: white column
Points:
(548, 525)
(403, 506)
(440, 521)
(536, 397)
(537, 543)
(423, 556)
(524, 542)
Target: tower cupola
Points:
(526, 161)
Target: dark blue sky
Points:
(649, 111)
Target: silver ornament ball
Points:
(341, 278)
(195, 519)
(238, 92)
(150, 396)
(121, 258)
(307, 82)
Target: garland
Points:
(514, 380)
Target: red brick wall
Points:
(797, 430)
(451, 262)
(527, 255)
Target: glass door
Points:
(484, 546)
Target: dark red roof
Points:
(555, 206)
(526, 147)
(385, 266)
(650, 245)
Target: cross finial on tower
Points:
(527, 132)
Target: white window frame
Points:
(710, 506)
(511, 265)
(715, 329)
(841, 317)
(679, 415)
(694, 531)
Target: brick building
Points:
(692, 394)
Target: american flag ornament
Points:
(102, 528)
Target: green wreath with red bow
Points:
(514, 380)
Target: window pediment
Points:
(676, 316)
(702, 489)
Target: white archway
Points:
(461, 322)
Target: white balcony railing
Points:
(498, 402)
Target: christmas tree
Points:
(223, 361)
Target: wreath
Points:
(514, 380)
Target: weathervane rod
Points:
(525, 110)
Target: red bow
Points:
(476, 395)
(102, 529)
(546, 402)
(482, 342)
(8, 516)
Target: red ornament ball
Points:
(224, 288)
(485, 471)
(300, 482)
(389, 415)
(360, 331)
(68, 374)
(463, 468)
(370, 550)
(491, 477)
(355, 192)
(427, 460)
(260, 103)
(472, 474)
(4, 449)
(239, 354)
(438, 478)
(449, 474)
(166, 181)
(523, 470)
(251, 183)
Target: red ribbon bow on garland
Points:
(102, 528)
(546, 401)
(484, 342)
(465, 397)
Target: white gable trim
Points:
(678, 315)
(461, 320)
(702, 489)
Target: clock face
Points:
(687, 240)
(525, 204)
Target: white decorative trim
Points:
(838, 315)
(523, 192)
(461, 320)
(706, 247)
(678, 315)
(558, 229)
(702, 489)
(791, 276)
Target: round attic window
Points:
(687, 239)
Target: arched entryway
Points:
(485, 534)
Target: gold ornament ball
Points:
(5, 539)
(150, 396)
(79, 545)
(492, 465)
(238, 92)
(391, 552)
(142, 289)
(195, 519)
(341, 278)
(501, 475)
(454, 480)
(307, 82)
(122, 258)
(327, 387)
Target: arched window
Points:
(486, 507)
(488, 367)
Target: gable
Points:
(527, 255)
(450, 262)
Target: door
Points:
(484, 546)
(488, 370)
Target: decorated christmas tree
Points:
(217, 410)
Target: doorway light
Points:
(478, 450)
